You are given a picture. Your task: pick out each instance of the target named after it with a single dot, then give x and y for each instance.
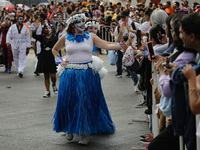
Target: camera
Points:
(125, 38)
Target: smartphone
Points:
(150, 49)
(166, 64)
(138, 38)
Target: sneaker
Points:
(142, 137)
(84, 140)
(55, 89)
(137, 91)
(145, 141)
(46, 94)
(20, 75)
(70, 137)
(9, 71)
(118, 75)
(148, 111)
(141, 104)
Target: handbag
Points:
(134, 66)
(112, 57)
(129, 59)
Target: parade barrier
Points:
(105, 34)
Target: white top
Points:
(79, 52)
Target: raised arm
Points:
(103, 44)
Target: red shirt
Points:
(4, 30)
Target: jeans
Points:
(134, 77)
(119, 62)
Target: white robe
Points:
(20, 40)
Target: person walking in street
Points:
(18, 37)
(46, 63)
(81, 106)
(7, 52)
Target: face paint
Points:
(20, 20)
(49, 28)
(79, 26)
(95, 30)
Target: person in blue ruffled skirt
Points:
(81, 106)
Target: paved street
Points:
(25, 117)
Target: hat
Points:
(124, 13)
(114, 4)
(84, 9)
(140, 4)
(88, 5)
(13, 14)
(97, 12)
(84, 3)
(107, 13)
(131, 7)
(197, 10)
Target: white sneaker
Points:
(84, 140)
(46, 94)
(55, 89)
(137, 91)
(70, 137)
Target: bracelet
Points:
(118, 43)
(192, 90)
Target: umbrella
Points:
(43, 4)
(4, 3)
(25, 6)
(9, 7)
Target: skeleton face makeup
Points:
(20, 20)
(95, 30)
(49, 28)
(79, 25)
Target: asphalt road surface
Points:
(25, 116)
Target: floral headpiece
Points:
(93, 23)
(75, 18)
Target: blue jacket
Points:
(183, 120)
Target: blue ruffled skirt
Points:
(81, 106)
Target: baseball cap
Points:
(197, 10)
(124, 13)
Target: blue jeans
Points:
(134, 77)
(119, 62)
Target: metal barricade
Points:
(105, 34)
